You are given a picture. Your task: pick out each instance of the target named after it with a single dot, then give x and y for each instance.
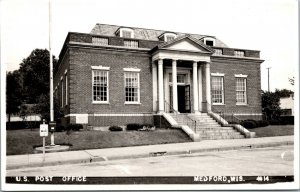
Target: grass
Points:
(23, 141)
(273, 130)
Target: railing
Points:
(185, 121)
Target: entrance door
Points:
(183, 98)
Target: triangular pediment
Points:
(186, 44)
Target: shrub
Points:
(287, 120)
(147, 127)
(274, 122)
(74, 127)
(60, 128)
(262, 123)
(133, 127)
(115, 128)
(22, 125)
(249, 124)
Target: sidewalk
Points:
(107, 154)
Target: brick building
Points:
(116, 75)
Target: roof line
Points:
(154, 29)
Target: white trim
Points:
(131, 69)
(66, 71)
(100, 67)
(223, 91)
(126, 29)
(169, 34)
(100, 102)
(110, 115)
(218, 74)
(240, 75)
(218, 104)
(245, 84)
(131, 103)
(66, 88)
(138, 78)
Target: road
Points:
(261, 161)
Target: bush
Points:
(274, 122)
(60, 128)
(74, 127)
(115, 128)
(22, 125)
(249, 124)
(133, 127)
(287, 120)
(262, 123)
(147, 127)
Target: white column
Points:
(208, 90)
(174, 85)
(200, 87)
(160, 86)
(154, 84)
(195, 87)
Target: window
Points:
(209, 41)
(100, 86)
(169, 38)
(180, 78)
(62, 92)
(241, 90)
(66, 87)
(125, 32)
(239, 53)
(218, 52)
(217, 92)
(131, 43)
(132, 86)
(100, 41)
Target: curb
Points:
(92, 159)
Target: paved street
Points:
(260, 161)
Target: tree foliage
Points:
(271, 102)
(13, 93)
(30, 85)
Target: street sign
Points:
(52, 126)
(43, 130)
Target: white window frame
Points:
(62, 91)
(100, 40)
(244, 77)
(131, 43)
(100, 69)
(127, 30)
(166, 35)
(66, 87)
(239, 53)
(220, 75)
(209, 39)
(218, 52)
(132, 71)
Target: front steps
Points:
(206, 126)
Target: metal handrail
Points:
(189, 121)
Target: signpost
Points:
(43, 133)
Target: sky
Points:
(270, 26)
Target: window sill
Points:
(218, 104)
(101, 102)
(132, 103)
(242, 104)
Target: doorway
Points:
(183, 96)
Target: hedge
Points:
(22, 125)
(115, 128)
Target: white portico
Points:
(178, 70)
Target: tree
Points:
(283, 92)
(270, 105)
(13, 93)
(35, 75)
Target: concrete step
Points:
(219, 134)
(216, 131)
(222, 137)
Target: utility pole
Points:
(268, 68)
(51, 75)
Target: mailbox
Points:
(52, 126)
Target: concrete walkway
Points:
(94, 155)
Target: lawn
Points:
(23, 141)
(273, 130)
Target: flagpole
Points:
(51, 75)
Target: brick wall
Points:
(230, 67)
(81, 61)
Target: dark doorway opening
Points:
(183, 96)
